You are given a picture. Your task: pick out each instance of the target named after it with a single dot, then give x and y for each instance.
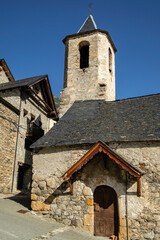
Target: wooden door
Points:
(105, 212)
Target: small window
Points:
(110, 60)
(25, 112)
(84, 54)
(32, 117)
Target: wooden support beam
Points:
(50, 93)
(43, 89)
(39, 104)
(40, 99)
(138, 187)
(10, 106)
(70, 185)
(7, 71)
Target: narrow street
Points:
(18, 222)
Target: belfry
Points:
(89, 72)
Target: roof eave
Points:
(79, 34)
(102, 147)
(7, 70)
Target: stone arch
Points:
(110, 59)
(84, 54)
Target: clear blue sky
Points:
(31, 34)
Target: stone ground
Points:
(29, 226)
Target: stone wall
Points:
(94, 82)
(141, 214)
(8, 133)
(3, 76)
(24, 156)
(11, 96)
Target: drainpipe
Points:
(15, 155)
(126, 203)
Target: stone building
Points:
(98, 167)
(27, 111)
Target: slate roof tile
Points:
(88, 25)
(134, 119)
(21, 83)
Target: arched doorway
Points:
(105, 212)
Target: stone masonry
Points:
(94, 82)
(3, 76)
(21, 100)
(8, 133)
(53, 196)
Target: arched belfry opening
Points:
(110, 60)
(84, 54)
(106, 220)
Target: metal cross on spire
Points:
(90, 7)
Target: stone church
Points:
(98, 167)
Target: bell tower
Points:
(89, 72)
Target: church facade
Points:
(98, 167)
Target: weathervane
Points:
(90, 7)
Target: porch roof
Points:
(102, 147)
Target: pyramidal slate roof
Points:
(88, 25)
(87, 122)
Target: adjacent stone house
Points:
(98, 168)
(27, 111)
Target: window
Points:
(32, 117)
(25, 112)
(84, 54)
(110, 60)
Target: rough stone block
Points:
(90, 202)
(122, 222)
(88, 219)
(149, 235)
(122, 233)
(39, 206)
(87, 191)
(90, 210)
(33, 197)
(50, 184)
(88, 229)
(42, 185)
(36, 205)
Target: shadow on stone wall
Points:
(62, 190)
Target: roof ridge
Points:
(117, 100)
(44, 75)
(21, 82)
(148, 95)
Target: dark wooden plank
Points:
(10, 106)
(70, 185)
(138, 187)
